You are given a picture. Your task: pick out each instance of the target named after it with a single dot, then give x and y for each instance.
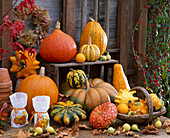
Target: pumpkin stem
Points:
(42, 71)
(57, 25)
(87, 84)
(89, 42)
(92, 19)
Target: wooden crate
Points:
(101, 69)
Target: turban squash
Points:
(37, 85)
(95, 93)
(94, 30)
(67, 113)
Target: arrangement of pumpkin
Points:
(67, 113)
(58, 46)
(95, 92)
(98, 36)
(37, 85)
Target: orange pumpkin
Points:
(37, 85)
(98, 36)
(95, 92)
(58, 46)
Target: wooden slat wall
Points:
(74, 14)
(5, 5)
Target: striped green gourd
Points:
(76, 78)
(67, 113)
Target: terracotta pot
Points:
(8, 89)
(6, 85)
(5, 96)
(4, 75)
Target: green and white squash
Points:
(67, 113)
(76, 78)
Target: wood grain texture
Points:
(83, 14)
(4, 8)
(107, 18)
(70, 15)
(140, 39)
(96, 10)
(122, 31)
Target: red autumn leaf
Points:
(17, 47)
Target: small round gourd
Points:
(76, 78)
(80, 58)
(91, 51)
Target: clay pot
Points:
(5, 85)
(4, 75)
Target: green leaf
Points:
(166, 14)
(136, 29)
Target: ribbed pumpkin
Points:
(37, 85)
(76, 78)
(95, 92)
(91, 51)
(58, 46)
(67, 113)
(119, 79)
(94, 30)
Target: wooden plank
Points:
(123, 31)
(140, 38)
(64, 16)
(70, 16)
(73, 63)
(107, 18)
(83, 14)
(96, 10)
(5, 5)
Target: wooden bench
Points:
(101, 69)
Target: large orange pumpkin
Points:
(58, 46)
(37, 85)
(95, 93)
(98, 36)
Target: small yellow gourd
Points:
(157, 103)
(124, 96)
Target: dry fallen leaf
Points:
(60, 129)
(118, 131)
(130, 133)
(20, 134)
(96, 132)
(150, 129)
(166, 123)
(104, 131)
(84, 126)
(168, 130)
(136, 136)
(28, 134)
(1, 131)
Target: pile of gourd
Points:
(85, 95)
(126, 102)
